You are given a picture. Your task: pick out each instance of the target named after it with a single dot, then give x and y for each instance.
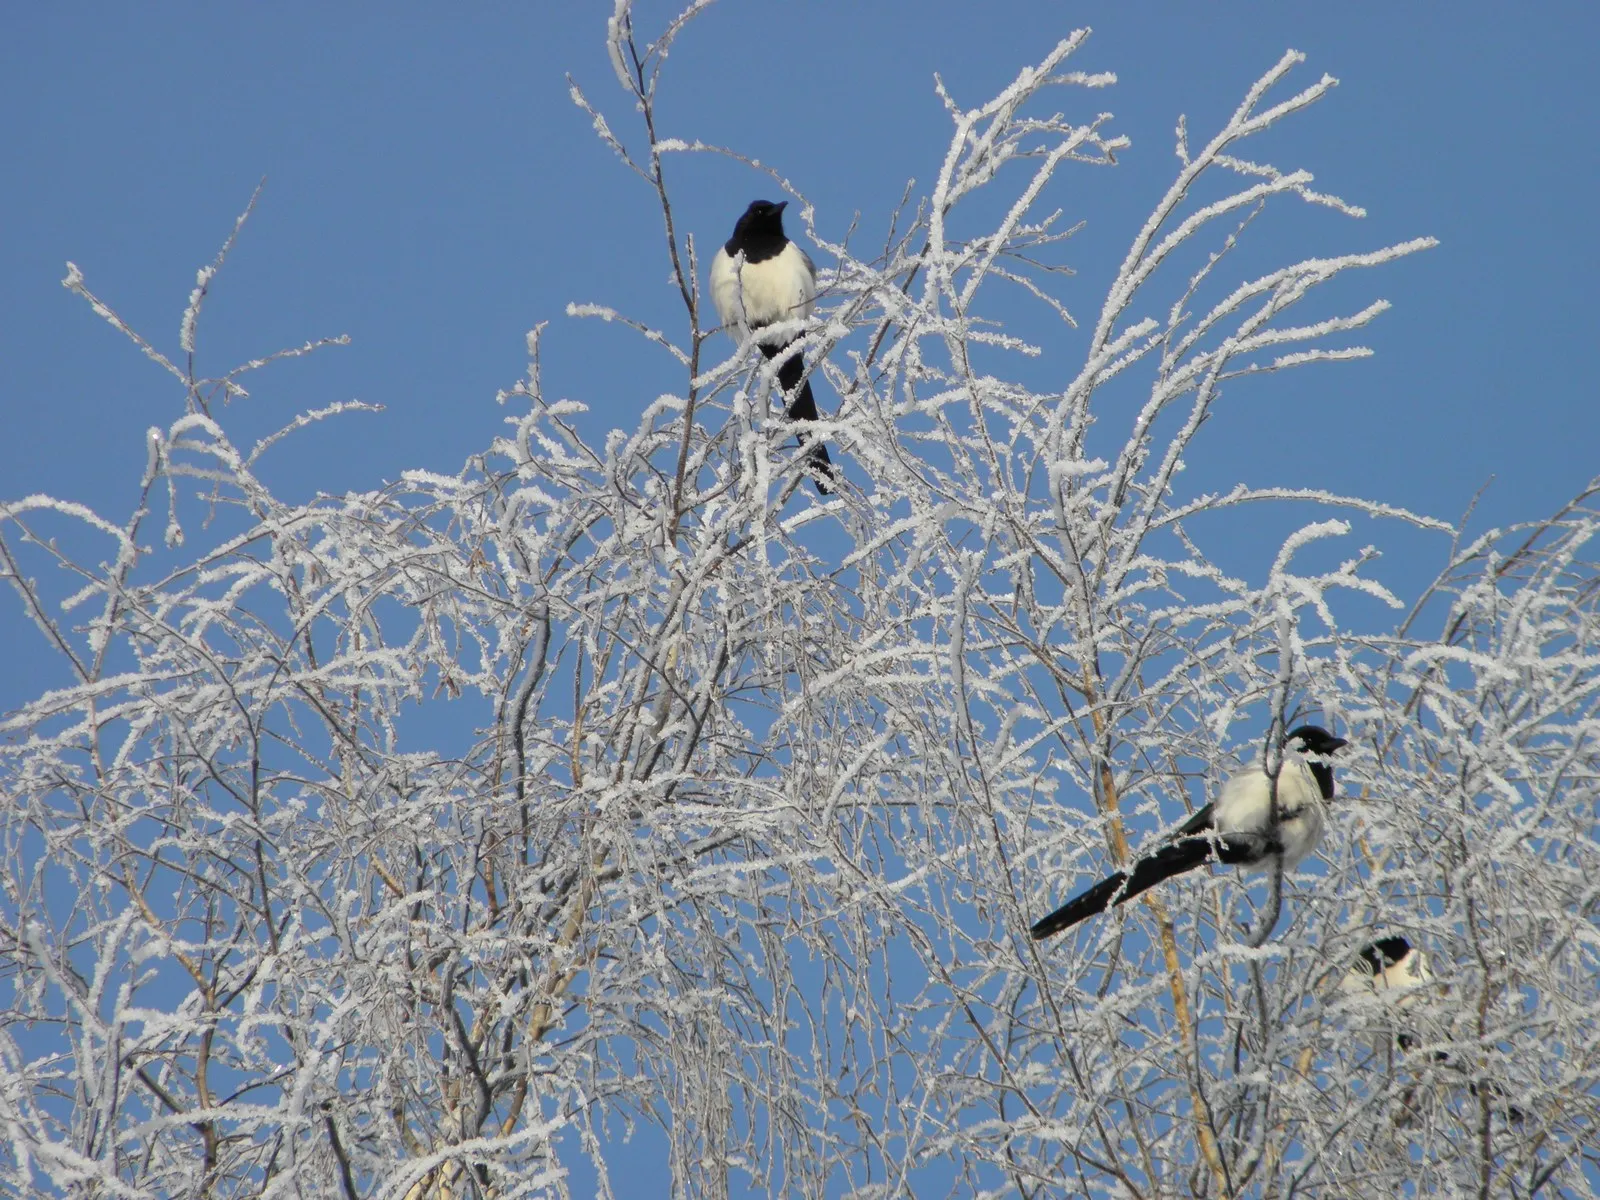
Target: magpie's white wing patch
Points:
(725, 292)
(1245, 806)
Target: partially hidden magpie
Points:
(776, 283)
(1388, 964)
(1391, 967)
(1397, 971)
(1237, 830)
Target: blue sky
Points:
(432, 192)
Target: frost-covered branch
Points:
(425, 840)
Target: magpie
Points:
(1389, 966)
(1395, 969)
(1236, 830)
(777, 283)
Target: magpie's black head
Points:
(1384, 953)
(759, 231)
(1313, 739)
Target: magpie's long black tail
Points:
(803, 407)
(1491, 1089)
(1166, 862)
(1494, 1091)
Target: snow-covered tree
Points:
(767, 787)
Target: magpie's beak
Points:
(780, 206)
(1338, 743)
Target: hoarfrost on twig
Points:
(763, 792)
